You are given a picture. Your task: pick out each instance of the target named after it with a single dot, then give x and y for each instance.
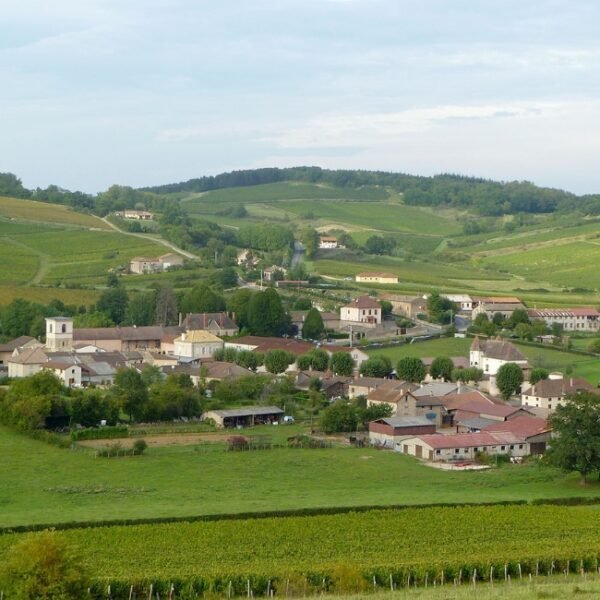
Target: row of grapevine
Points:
(345, 552)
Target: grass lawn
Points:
(554, 360)
(44, 484)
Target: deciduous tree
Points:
(509, 379)
(411, 369)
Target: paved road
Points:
(147, 236)
(298, 253)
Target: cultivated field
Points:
(351, 549)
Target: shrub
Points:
(139, 446)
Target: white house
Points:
(364, 310)
(328, 243)
(490, 355)
(462, 301)
(197, 344)
(370, 277)
(68, 373)
(27, 361)
(550, 393)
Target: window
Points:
(438, 451)
(49, 327)
(456, 450)
(502, 447)
(63, 328)
(520, 446)
(512, 447)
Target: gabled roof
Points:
(454, 401)
(225, 370)
(489, 408)
(499, 350)
(16, 343)
(363, 302)
(558, 388)
(440, 441)
(521, 427)
(206, 320)
(153, 332)
(434, 388)
(264, 344)
(248, 411)
(405, 421)
(30, 356)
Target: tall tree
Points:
(342, 364)
(441, 368)
(201, 298)
(238, 304)
(411, 368)
(509, 379)
(277, 361)
(576, 424)
(313, 327)
(166, 306)
(376, 366)
(266, 315)
(129, 388)
(114, 302)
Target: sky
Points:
(147, 92)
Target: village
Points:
(438, 417)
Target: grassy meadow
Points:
(45, 484)
(587, 367)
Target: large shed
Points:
(246, 416)
(389, 431)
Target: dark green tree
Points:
(238, 304)
(411, 368)
(89, 407)
(131, 391)
(114, 302)
(538, 374)
(313, 328)
(339, 417)
(576, 446)
(441, 368)
(373, 412)
(342, 364)
(201, 298)
(266, 315)
(509, 379)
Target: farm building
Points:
(389, 431)
(532, 430)
(385, 278)
(139, 215)
(463, 446)
(142, 264)
(246, 416)
(571, 319)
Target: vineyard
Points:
(379, 549)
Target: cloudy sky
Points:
(142, 92)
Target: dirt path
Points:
(43, 264)
(152, 238)
(166, 439)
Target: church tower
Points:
(59, 334)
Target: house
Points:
(397, 395)
(197, 344)
(70, 374)
(246, 258)
(26, 361)
(550, 393)
(388, 432)
(490, 355)
(570, 319)
(464, 446)
(273, 273)
(535, 432)
(221, 371)
(408, 306)
(384, 278)
(255, 343)
(497, 304)
(220, 323)
(462, 301)
(141, 264)
(327, 243)
(332, 386)
(465, 413)
(22, 342)
(247, 416)
(139, 215)
(363, 310)
(331, 320)
(362, 386)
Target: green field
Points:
(50, 248)
(587, 367)
(44, 484)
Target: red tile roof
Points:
(521, 427)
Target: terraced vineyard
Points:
(333, 551)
